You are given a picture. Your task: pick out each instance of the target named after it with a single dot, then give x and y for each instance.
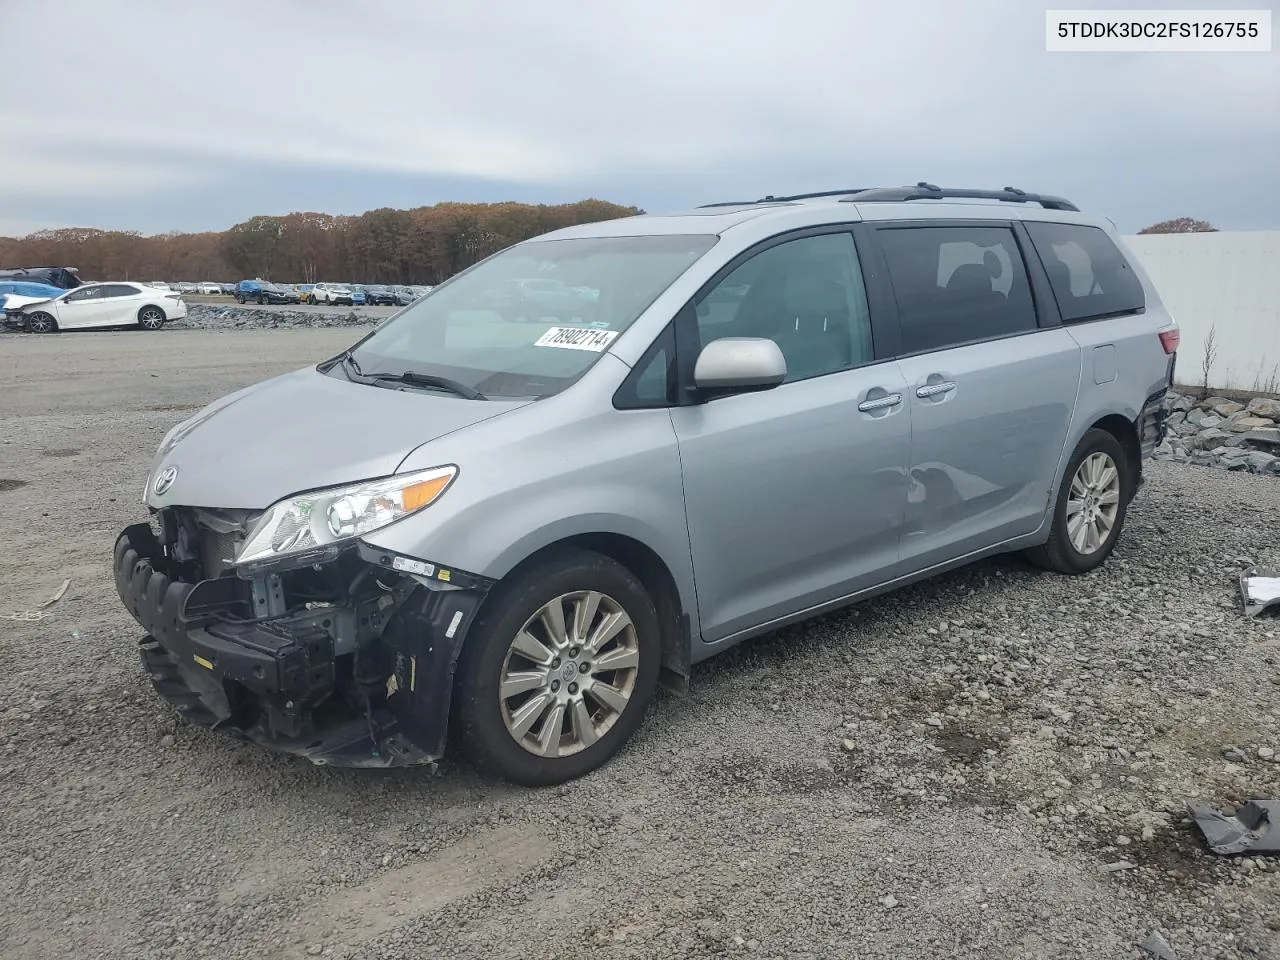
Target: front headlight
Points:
(311, 521)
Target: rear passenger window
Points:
(1089, 275)
(957, 285)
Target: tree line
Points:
(425, 245)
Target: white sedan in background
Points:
(98, 305)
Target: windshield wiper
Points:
(349, 362)
(430, 380)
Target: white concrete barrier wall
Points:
(1228, 282)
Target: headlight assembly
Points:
(311, 521)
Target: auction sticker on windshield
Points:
(576, 338)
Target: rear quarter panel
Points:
(1123, 363)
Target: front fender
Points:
(491, 538)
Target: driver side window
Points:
(90, 293)
(806, 295)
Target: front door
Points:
(991, 392)
(794, 496)
(81, 307)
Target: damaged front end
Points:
(344, 656)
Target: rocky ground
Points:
(993, 764)
(1220, 432)
(233, 316)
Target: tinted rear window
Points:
(957, 285)
(1089, 275)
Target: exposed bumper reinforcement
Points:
(263, 683)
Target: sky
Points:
(154, 115)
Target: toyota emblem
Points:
(164, 480)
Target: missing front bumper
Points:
(278, 682)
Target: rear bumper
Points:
(277, 683)
(1152, 423)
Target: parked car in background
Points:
(404, 296)
(209, 288)
(378, 294)
(262, 291)
(159, 285)
(100, 305)
(64, 278)
(185, 287)
(18, 293)
(343, 293)
(320, 292)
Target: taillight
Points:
(1169, 339)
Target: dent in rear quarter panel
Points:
(561, 467)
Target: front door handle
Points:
(880, 403)
(934, 389)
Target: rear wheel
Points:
(239, 298)
(261, 299)
(151, 318)
(41, 322)
(1090, 511)
(558, 670)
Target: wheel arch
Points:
(1126, 432)
(645, 564)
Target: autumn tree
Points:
(1181, 225)
(421, 245)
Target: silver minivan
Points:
(509, 526)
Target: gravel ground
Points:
(941, 773)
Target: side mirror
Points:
(739, 365)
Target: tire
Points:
(41, 322)
(1098, 482)
(261, 300)
(151, 318)
(482, 716)
(239, 298)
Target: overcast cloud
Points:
(156, 115)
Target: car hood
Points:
(16, 301)
(303, 431)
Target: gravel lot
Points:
(941, 773)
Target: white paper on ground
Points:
(1263, 589)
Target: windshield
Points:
(520, 324)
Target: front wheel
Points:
(558, 670)
(1091, 506)
(151, 318)
(41, 322)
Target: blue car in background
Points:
(15, 294)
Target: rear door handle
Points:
(934, 389)
(880, 403)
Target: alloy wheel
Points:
(1093, 503)
(569, 674)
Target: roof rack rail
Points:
(788, 199)
(927, 191)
